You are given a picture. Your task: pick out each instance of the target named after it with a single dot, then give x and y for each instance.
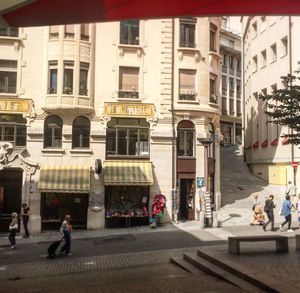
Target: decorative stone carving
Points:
(85, 51)
(96, 201)
(35, 130)
(29, 166)
(6, 149)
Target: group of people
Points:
(65, 229)
(290, 204)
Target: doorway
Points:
(187, 204)
(10, 195)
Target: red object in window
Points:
(275, 141)
(255, 145)
(285, 140)
(265, 143)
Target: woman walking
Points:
(66, 229)
(286, 211)
(25, 218)
(13, 228)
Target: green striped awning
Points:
(128, 173)
(64, 179)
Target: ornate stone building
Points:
(95, 119)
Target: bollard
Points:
(215, 220)
(202, 219)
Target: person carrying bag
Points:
(13, 229)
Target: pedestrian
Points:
(286, 211)
(13, 229)
(257, 211)
(25, 218)
(291, 191)
(269, 210)
(66, 229)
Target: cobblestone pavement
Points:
(238, 185)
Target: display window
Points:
(56, 205)
(124, 202)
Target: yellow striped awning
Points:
(128, 173)
(64, 179)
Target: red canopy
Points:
(49, 12)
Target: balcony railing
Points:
(187, 96)
(129, 41)
(67, 90)
(231, 71)
(224, 91)
(83, 92)
(224, 68)
(231, 93)
(9, 31)
(128, 94)
(187, 44)
(225, 112)
(52, 90)
(8, 89)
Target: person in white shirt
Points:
(291, 191)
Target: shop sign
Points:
(129, 110)
(15, 106)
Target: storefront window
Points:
(13, 129)
(127, 137)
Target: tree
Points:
(283, 106)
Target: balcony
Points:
(187, 96)
(128, 94)
(230, 46)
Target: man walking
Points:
(286, 212)
(291, 191)
(269, 210)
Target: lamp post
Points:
(206, 142)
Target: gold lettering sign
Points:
(129, 110)
(15, 106)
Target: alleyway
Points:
(238, 185)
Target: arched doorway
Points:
(10, 195)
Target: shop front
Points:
(127, 189)
(64, 190)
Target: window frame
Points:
(186, 95)
(9, 75)
(125, 93)
(51, 134)
(132, 38)
(186, 127)
(187, 32)
(86, 127)
(67, 89)
(52, 66)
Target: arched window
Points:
(81, 133)
(53, 132)
(127, 137)
(185, 139)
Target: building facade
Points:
(270, 50)
(231, 84)
(98, 118)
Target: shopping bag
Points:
(280, 212)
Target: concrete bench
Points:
(282, 244)
(297, 241)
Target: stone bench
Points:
(282, 244)
(297, 241)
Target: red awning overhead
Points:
(285, 140)
(255, 145)
(49, 12)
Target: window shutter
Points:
(54, 29)
(70, 29)
(129, 79)
(187, 80)
(85, 29)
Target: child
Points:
(13, 228)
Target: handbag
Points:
(13, 227)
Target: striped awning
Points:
(64, 179)
(128, 173)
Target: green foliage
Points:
(283, 106)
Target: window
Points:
(238, 65)
(238, 89)
(231, 106)
(52, 89)
(84, 32)
(224, 59)
(130, 32)
(68, 77)
(284, 45)
(254, 63)
(81, 133)
(273, 53)
(187, 32)
(238, 108)
(83, 79)
(224, 106)
(231, 62)
(231, 87)
(53, 32)
(212, 38)
(53, 132)
(185, 139)
(128, 82)
(13, 129)
(127, 137)
(224, 85)
(254, 29)
(264, 58)
(213, 97)
(8, 76)
(8, 31)
(187, 90)
(69, 31)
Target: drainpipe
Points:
(291, 72)
(174, 197)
